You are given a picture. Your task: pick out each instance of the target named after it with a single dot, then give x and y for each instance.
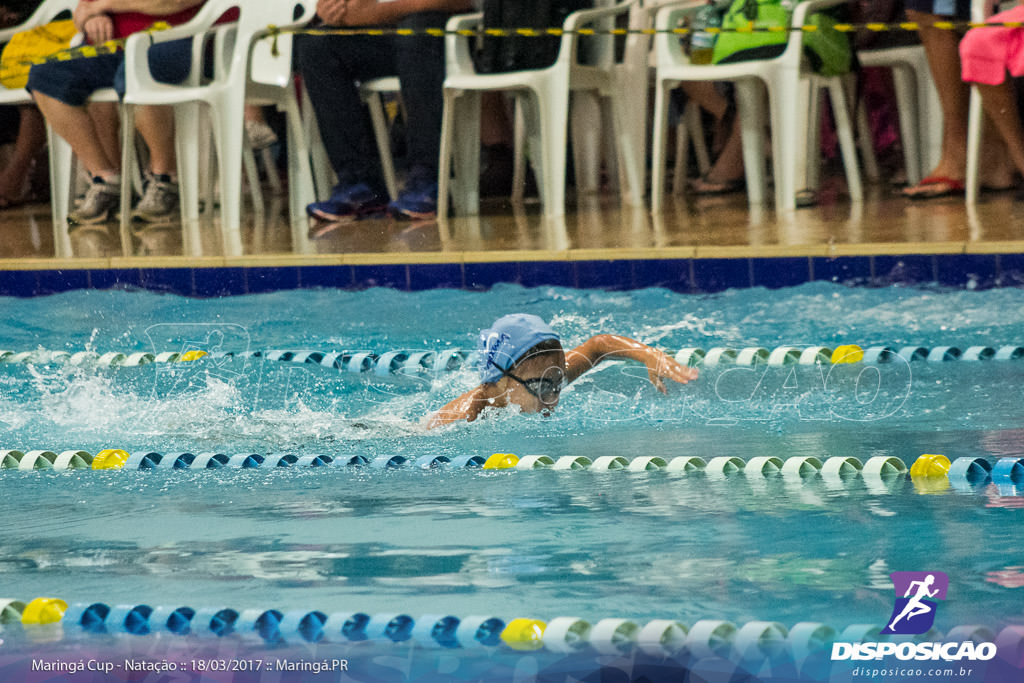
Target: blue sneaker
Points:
(418, 200)
(348, 203)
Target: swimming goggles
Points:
(544, 388)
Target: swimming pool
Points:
(540, 543)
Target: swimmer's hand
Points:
(661, 367)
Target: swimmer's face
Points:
(538, 382)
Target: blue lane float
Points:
(1008, 471)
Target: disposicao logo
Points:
(917, 596)
(914, 613)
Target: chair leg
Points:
(519, 152)
(229, 138)
(905, 82)
(466, 153)
(844, 129)
(972, 180)
(553, 111)
(62, 175)
(380, 131)
(127, 163)
(586, 142)
(444, 162)
(659, 134)
(786, 116)
(302, 189)
(750, 109)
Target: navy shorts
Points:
(73, 81)
(958, 9)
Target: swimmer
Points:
(522, 363)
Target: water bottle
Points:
(702, 43)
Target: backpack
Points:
(517, 53)
(829, 51)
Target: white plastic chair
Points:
(545, 116)
(917, 102)
(254, 74)
(783, 77)
(980, 11)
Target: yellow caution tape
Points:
(110, 459)
(44, 611)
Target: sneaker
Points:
(260, 134)
(348, 203)
(101, 202)
(159, 203)
(418, 200)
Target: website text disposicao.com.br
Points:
(910, 672)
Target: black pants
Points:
(331, 67)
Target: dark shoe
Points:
(418, 200)
(349, 203)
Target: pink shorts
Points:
(986, 54)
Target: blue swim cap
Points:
(505, 342)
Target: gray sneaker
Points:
(102, 200)
(159, 203)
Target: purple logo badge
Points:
(917, 594)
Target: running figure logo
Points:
(914, 613)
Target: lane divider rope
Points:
(751, 641)
(421, 361)
(929, 472)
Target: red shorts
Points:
(986, 54)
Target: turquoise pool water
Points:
(516, 543)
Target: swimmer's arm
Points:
(465, 408)
(607, 346)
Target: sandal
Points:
(702, 187)
(935, 187)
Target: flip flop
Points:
(941, 186)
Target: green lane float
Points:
(572, 462)
(566, 634)
(752, 356)
(690, 357)
(724, 466)
(614, 636)
(11, 611)
(816, 355)
(662, 637)
(607, 463)
(764, 464)
(711, 638)
(37, 460)
(647, 463)
(759, 640)
(801, 466)
(839, 467)
(942, 354)
(535, 462)
(686, 464)
(784, 355)
(978, 353)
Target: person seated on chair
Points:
(522, 363)
(332, 66)
(940, 44)
(987, 55)
(62, 88)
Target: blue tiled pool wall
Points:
(680, 275)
